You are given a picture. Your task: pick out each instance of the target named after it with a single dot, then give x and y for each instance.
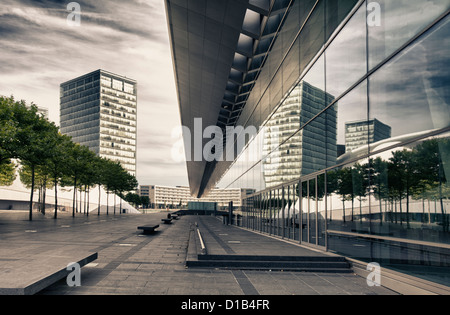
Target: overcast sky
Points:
(39, 51)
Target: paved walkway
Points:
(132, 263)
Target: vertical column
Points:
(230, 213)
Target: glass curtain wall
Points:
(354, 154)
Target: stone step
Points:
(272, 258)
(304, 266)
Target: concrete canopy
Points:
(215, 46)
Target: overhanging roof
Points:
(218, 50)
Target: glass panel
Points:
(348, 202)
(304, 212)
(313, 35)
(408, 193)
(399, 21)
(337, 11)
(414, 86)
(411, 190)
(296, 214)
(279, 212)
(312, 207)
(346, 55)
(321, 209)
(351, 126)
(271, 211)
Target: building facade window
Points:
(97, 112)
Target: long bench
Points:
(148, 229)
(167, 221)
(27, 275)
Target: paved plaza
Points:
(131, 263)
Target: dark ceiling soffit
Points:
(261, 23)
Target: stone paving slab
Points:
(130, 263)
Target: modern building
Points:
(311, 149)
(99, 110)
(240, 62)
(179, 196)
(362, 133)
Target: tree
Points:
(32, 135)
(345, 187)
(8, 128)
(57, 164)
(332, 184)
(360, 184)
(145, 200)
(133, 198)
(431, 169)
(79, 157)
(100, 169)
(402, 177)
(41, 182)
(378, 178)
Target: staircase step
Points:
(272, 258)
(311, 266)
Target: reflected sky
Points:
(400, 21)
(411, 93)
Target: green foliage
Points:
(49, 158)
(7, 173)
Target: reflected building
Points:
(99, 110)
(306, 151)
(360, 133)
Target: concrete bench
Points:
(27, 275)
(148, 228)
(167, 221)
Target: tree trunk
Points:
(44, 192)
(88, 195)
(99, 195)
(56, 198)
(343, 209)
(30, 217)
(74, 197)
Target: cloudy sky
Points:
(39, 50)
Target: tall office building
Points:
(361, 133)
(311, 149)
(99, 110)
(237, 61)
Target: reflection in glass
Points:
(352, 126)
(346, 55)
(312, 211)
(311, 149)
(401, 20)
(321, 210)
(411, 92)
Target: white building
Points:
(174, 197)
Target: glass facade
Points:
(334, 79)
(99, 110)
